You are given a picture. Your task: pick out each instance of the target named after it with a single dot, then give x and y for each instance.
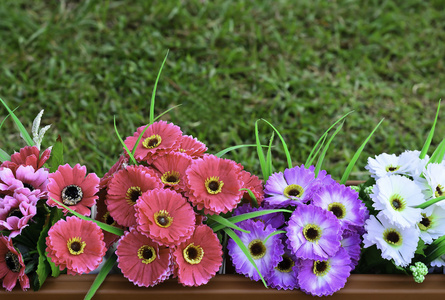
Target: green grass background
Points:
(299, 64)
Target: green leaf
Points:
(56, 158)
(104, 226)
(222, 152)
(225, 222)
(325, 149)
(152, 104)
(246, 252)
(286, 150)
(106, 268)
(354, 159)
(43, 267)
(252, 197)
(269, 155)
(249, 215)
(123, 144)
(311, 156)
(264, 167)
(430, 202)
(438, 154)
(4, 119)
(4, 156)
(430, 136)
(19, 124)
(171, 108)
(273, 233)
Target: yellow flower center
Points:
(193, 254)
(133, 193)
(293, 190)
(213, 185)
(312, 232)
(392, 237)
(440, 191)
(147, 254)
(75, 245)
(152, 141)
(338, 209)
(426, 222)
(321, 267)
(163, 219)
(170, 178)
(392, 168)
(257, 249)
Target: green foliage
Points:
(56, 158)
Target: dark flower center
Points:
(152, 141)
(440, 191)
(12, 262)
(147, 254)
(321, 267)
(132, 195)
(27, 185)
(426, 222)
(391, 168)
(76, 246)
(213, 185)
(397, 202)
(338, 209)
(312, 232)
(293, 190)
(108, 219)
(393, 237)
(286, 264)
(193, 254)
(257, 249)
(15, 213)
(71, 195)
(170, 178)
(163, 219)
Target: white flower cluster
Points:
(402, 184)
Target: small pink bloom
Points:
(191, 146)
(12, 267)
(17, 210)
(171, 170)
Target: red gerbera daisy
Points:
(75, 244)
(254, 184)
(12, 267)
(160, 137)
(198, 258)
(191, 146)
(125, 188)
(165, 216)
(143, 261)
(214, 184)
(70, 187)
(28, 156)
(171, 168)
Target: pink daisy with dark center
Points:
(143, 261)
(12, 267)
(74, 188)
(198, 258)
(125, 188)
(171, 170)
(159, 138)
(75, 244)
(191, 146)
(214, 184)
(165, 216)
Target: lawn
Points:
(300, 65)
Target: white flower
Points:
(435, 182)
(396, 197)
(432, 224)
(387, 164)
(395, 242)
(414, 165)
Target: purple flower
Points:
(266, 254)
(295, 186)
(8, 182)
(343, 202)
(276, 220)
(313, 233)
(17, 210)
(351, 243)
(324, 277)
(284, 276)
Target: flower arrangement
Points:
(167, 209)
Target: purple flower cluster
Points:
(321, 245)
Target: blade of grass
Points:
(438, 154)
(272, 234)
(323, 137)
(286, 150)
(165, 112)
(4, 156)
(325, 150)
(252, 197)
(4, 119)
(427, 144)
(104, 226)
(222, 152)
(225, 222)
(106, 268)
(310, 161)
(246, 252)
(263, 164)
(269, 155)
(123, 144)
(152, 104)
(354, 159)
(19, 124)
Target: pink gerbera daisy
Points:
(165, 216)
(159, 138)
(33, 179)
(71, 187)
(214, 184)
(255, 185)
(12, 267)
(191, 146)
(198, 258)
(75, 244)
(125, 188)
(143, 261)
(28, 156)
(171, 168)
